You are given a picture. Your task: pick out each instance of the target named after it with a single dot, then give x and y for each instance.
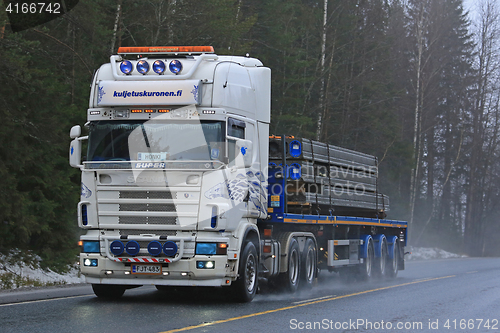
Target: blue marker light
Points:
(159, 67)
(132, 248)
(170, 249)
(116, 247)
(126, 67)
(175, 66)
(142, 66)
(154, 248)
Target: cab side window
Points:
(235, 129)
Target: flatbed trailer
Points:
(353, 246)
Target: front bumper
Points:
(183, 272)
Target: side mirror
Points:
(75, 147)
(75, 153)
(243, 153)
(75, 132)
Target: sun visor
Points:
(185, 92)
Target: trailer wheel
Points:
(392, 264)
(245, 287)
(381, 262)
(109, 291)
(366, 269)
(290, 279)
(309, 264)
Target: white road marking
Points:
(45, 300)
(314, 299)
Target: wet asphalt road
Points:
(451, 295)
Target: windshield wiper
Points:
(145, 136)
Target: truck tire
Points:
(162, 288)
(245, 287)
(380, 263)
(109, 291)
(366, 268)
(392, 264)
(289, 280)
(309, 264)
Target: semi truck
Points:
(183, 185)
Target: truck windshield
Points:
(155, 141)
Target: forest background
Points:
(414, 82)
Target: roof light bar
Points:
(165, 49)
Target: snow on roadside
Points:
(18, 270)
(425, 253)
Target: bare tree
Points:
(484, 124)
(117, 22)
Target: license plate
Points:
(146, 269)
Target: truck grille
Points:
(134, 232)
(169, 220)
(147, 207)
(147, 195)
(150, 208)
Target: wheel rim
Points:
(294, 267)
(310, 265)
(383, 255)
(250, 277)
(369, 261)
(394, 261)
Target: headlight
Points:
(206, 248)
(91, 247)
(211, 248)
(90, 262)
(205, 264)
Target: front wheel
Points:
(245, 287)
(109, 291)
